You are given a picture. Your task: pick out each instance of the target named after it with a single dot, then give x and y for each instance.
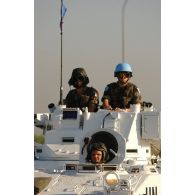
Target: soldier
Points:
(119, 95)
(97, 153)
(82, 96)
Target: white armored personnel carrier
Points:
(131, 167)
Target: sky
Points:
(92, 40)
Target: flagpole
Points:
(123, 29)
(62, 13)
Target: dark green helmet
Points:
(79, 73)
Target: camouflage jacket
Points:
(122, 97)
(74, 100)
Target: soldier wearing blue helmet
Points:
(121, 94)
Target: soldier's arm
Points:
(106, 99)
(136, 96)
(94, 101)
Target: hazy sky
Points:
(92, 39)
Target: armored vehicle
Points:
(131, 168)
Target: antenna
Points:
(62, 12)
(123, 29)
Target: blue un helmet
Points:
(123, 67)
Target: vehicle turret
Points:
(130, 166)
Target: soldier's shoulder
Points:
(92, 90)
(71, 92)
(111, 85)
(131, 85)
(134, 87)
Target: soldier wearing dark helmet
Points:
(82, 96)
(121, 94)
(97, 153)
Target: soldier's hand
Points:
(108, 107)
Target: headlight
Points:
(111, 179)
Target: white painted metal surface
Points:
(127, 136)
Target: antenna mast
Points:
(62, 12)
(123, 29)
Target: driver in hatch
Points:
(97, 153)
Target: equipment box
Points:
(150, 125)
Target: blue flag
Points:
(62, 12)
(63, 9)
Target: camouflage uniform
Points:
(121, 97)
(74, 100)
